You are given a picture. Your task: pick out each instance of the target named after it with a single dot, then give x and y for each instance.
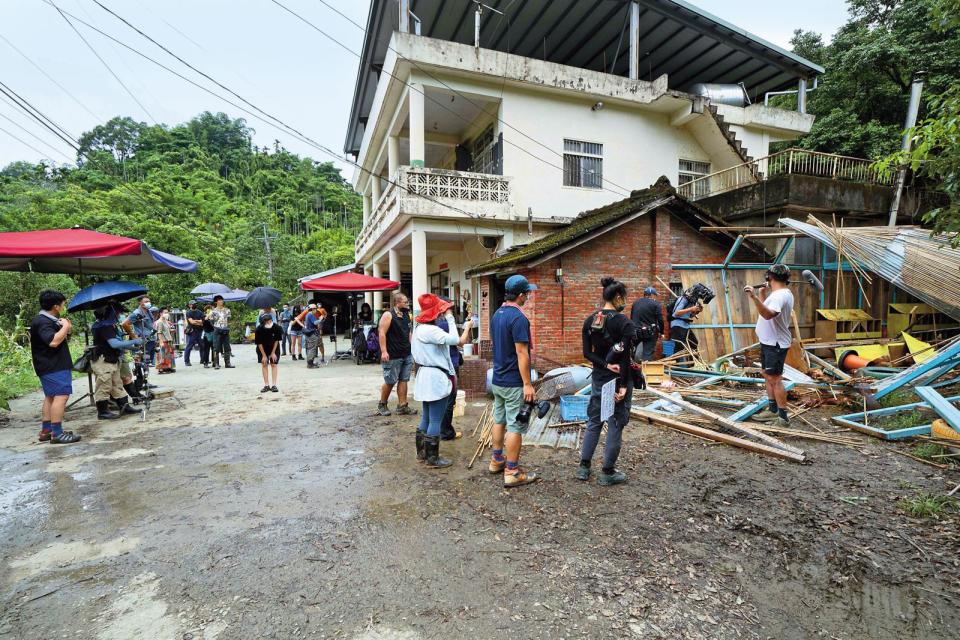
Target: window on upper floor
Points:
(483, 152)
(582, 164)
(690, 170)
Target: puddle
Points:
(67, 554)
(72, 465)
(139, 613)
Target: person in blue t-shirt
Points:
(510, 334)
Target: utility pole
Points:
(913, 109)
(266, 244)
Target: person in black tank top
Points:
(395, 327)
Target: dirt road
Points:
(301, 514)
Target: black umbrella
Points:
(263, 297)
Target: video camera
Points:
(699, 293)
(542, 407)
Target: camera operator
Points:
(108, 352)
(773, 332)
(685, 309)
(646, 314)
(607, 343)
(139, 324)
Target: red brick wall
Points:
(633, 253)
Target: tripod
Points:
(338, 355)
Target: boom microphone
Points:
(808, 278)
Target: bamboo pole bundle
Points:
(486, 434)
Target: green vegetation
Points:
(200, 190)
(903, 420)
(928, 505)
(927, 450)
(899, 397)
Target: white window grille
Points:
(691, 170)
(582, 164)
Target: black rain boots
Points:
(103, 411)
(125, 408)
(226, 361)
(431, 447)
(421, 450)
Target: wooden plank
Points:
(757, 405)
(737, 427)
(940, 404)
(660, 419)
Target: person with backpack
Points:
(105, 363)
(607, 343)
(681, 318)
(646, 314)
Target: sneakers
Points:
(765, 416)
(405, 410)
(44, 435)
(607, 479)
(583, 473)
(783, 422)
(518, 478)
(66, 437)
(497, 466)
(382, 409)
(274, 389)
(265, 389)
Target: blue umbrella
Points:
(98, 294)
(211, 289)
(263, 297)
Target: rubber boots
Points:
(132, 392)
(103, 411)
(431, 447)
(216, 359)
(226, 361)
(125, 408)
(421, 451)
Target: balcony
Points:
(785, 163)
(435, 193)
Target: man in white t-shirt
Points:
(773, 331)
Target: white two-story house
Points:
(478, 131)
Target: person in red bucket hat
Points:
(431, 352)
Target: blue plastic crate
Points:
(573, 408)
(668, 348)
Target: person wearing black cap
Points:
(773, 331)
(193, 331)
(646, 314)
(268, 337)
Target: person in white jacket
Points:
(431, 352)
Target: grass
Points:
(928, 505)
(899, 397)
(927, 450)
(903, 420)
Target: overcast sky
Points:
(253, 46)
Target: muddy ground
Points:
(301, 514)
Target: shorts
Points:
(57, 383)
(772, 359)
(506, 405)
(295, 332)
(397, 370)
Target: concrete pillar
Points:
(374, 191)
(368, 296)
(417, 116)
(802, 95)
(418, 242)
(377, 295)
(366, 209)
(394, 262)
(634, 40)
(404, 16)
(393, 156)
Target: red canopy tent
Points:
(349, 281)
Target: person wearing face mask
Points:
(607, 343)
(140, 324)
(53, 365)
(105, 366)
(164, 328)
(285, 317)
(220, 317)
(268, 337)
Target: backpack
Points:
(373, 340)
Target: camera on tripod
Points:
(699, 293)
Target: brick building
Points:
(633, 240)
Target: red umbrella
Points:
(85, 252)
(349, 281)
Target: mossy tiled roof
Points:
(594, 219)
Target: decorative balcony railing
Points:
(791, 161)
(458, 189)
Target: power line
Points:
(34, 136)
(282, 126)
(480, 107)
(34, 113)
(26, 144)
(102, 61)
(50, 78)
